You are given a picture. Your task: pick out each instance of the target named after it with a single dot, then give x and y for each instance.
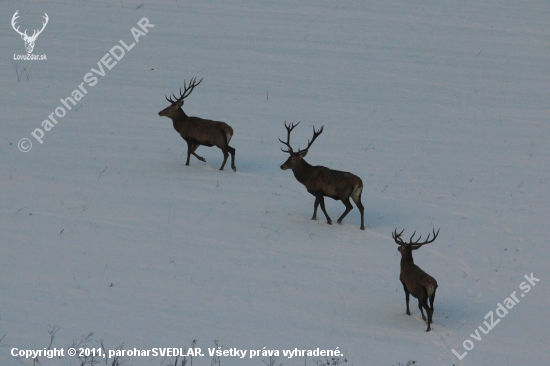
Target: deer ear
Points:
(179, 104)
(302, 153)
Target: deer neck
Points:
(406, 259)
(178, 119)
(302, 171)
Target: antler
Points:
(35, 35)
(315, 135)
(397, 238)
(289, 129)
(186, 91)
(13, 19)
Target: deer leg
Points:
(232, 152)
(357, 199)
(189, 150)
(195, 147)
(406, 298)
(423, 304)
(225, 156)
(349, 207)
(430, 311)
(322, 203)
(314, 217)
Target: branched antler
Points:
(289, 129)
(186, 91)
(415, 244)
(315, 135)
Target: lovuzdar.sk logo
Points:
(29, 40)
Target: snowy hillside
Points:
(441, 107)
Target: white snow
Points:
(441, 107)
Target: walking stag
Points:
(323, 182)
(197, 131)
(415, 281)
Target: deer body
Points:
(323, 182)
(415, 281)
(197, 131)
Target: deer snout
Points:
(284, 167)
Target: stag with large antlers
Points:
(321, 181)
(29, 40)
(197, 131)
(415, 281)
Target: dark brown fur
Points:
(197, 131)
(415, 281)
(323, 182)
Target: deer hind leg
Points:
(226, 149)
(349, 207)
(430, 311)
(356, 196)
(423, 303)
(322, 203)
(232, 152)
(225, 156)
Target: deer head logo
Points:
(29, 40)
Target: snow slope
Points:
(441, 107)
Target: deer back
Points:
(415, 279)
(329, 182)
(205, 131)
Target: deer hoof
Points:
(329, 222)
(202, 159)
(234, 168)
(362, 227)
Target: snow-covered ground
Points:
(441, 107)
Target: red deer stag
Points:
(197, 131)
(415, 281)
(321, 181)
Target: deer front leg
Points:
(322, 203)
(406, 298)
(314, 217)
(195, 147)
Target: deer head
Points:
(406, 248)
(29, 40)
(177, 103)
(295, 157)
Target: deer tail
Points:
(430, 287)
(356, 193)
(228, 133)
